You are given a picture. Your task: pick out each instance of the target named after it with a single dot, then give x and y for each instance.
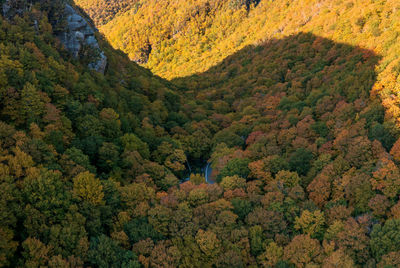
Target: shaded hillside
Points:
(300, 153)
(182, 39)
(191, 36)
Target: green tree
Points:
(300, 161)
(139, 229)
(256, 240)
(236, 166)
(131, 142)
(241, 207)
(385, 238)
(32, 106)
(105, 252)
(111, 123)
(46, 193)
(108, 157)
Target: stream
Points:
(206, 171)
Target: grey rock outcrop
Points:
(80, 34)
(6, 8)
(10, 8)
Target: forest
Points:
(293, 107)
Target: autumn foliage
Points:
(292, 106)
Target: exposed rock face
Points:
(79, 34)
(6, 8)
(11, 8)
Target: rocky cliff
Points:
(79, 35)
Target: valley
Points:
(227, 133)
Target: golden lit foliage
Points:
(88, 188)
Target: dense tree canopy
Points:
(295, 120)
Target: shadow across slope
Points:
(299, 92)
(298, 65)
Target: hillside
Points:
(293, 104)
(103, 11)
(70, 138)
(191, 36)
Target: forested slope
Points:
(103, 11)
(294, 103)
(70, 140)
(191, 36)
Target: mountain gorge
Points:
(293, 104)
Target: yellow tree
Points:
(310, 222)
(273, 253)
(197, 179)
(88, 188)
(208, 243)
(303, 251)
